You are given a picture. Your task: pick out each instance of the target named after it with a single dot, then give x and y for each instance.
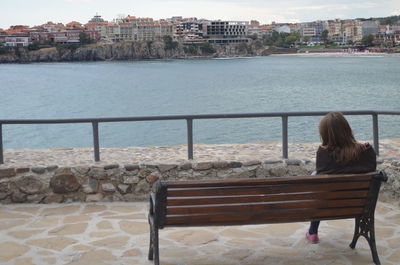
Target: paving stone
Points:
(10, 250)
(24, 234)
(134, 228)
(24, 261)
(132, 253)
(101, 234)
(61, 210)
(10, 215)
(11, 223)
(125, 209)
(117, 242)
(69, 229)
(193, 237)
(94, 208)
(53, 243)
(104, 225)
(77, 219)
(45, 222)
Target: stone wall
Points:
(134, 181)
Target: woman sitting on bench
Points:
(340, 153)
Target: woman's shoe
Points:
(313, 238)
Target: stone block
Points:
(278, 171)
(166, 167)
(30, 185)
(235, 164)
(108, 187)
(64, 183)
(94, 197)
(51, 168)
(130, 179)
(268, 162)
(142, 187)
(202, 165)
(293, 162)
(7, 172)
(123, 188)
(262, 172)
(97, 173)
(111, 166)
(4, 195)
(38, 170)
(90, 186)
(82, 170)
(152, 178)
(251, 163)
(185, 166)
(18, 197)
(220, 164)
(63, 171)
(36, 198)
(22, 170)
(53, 198)
(131, 167)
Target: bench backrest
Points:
(261, 201)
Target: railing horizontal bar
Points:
(199, 116)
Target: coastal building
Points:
(370, 27)
(311, 31)
(18, 40)
(226, 32)
(189, 29)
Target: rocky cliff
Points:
(138, 50)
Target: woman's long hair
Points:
(337, 137)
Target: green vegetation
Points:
(190, 49)
(207, 48)
(284, 40)
(85, 38)
(3, 49)
(367, 40)
(324, 37)
(388, 20)
(33, 46)
(169, 44)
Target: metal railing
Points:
(189, 119)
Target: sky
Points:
(37, 12)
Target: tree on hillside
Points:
(325, 37)
(368, 40)
(2, 49)
(169, 44)
(84, 38)
(207, 48)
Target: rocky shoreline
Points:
(138, 50)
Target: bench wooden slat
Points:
(275, 180)
(270, 189)
(178, 201)
(279, 216)
(261, 207)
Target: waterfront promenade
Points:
(117, 233)
(389, 150)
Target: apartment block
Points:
(225, 32)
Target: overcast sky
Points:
(36, 12)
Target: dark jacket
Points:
(326, 164)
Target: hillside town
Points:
(197, 31)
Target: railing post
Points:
(1, 144)
(375, 132)
(190, 138)
(96, 145)
(285, 136)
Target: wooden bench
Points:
(266, 201)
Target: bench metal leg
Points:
(151, 249)
(364, 226)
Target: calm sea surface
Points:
(265, 84)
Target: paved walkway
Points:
(117, 233)
(389, 149)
